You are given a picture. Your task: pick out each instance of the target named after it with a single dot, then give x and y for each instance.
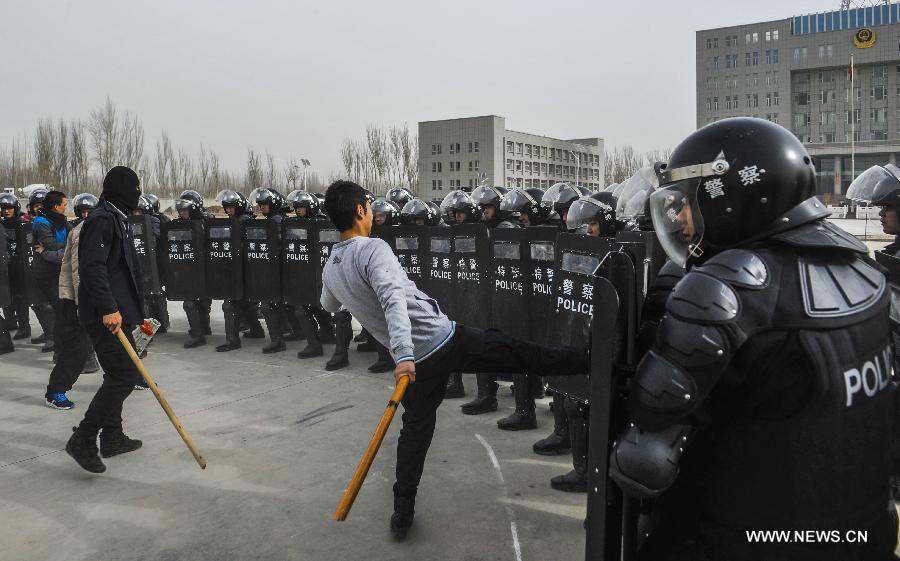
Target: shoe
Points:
(84, 451)
(230, 346)
(558, 441)
(523, 418)
(486, 400)
(367, 347)
(90, 365)
(194, 342)
(113, 443)
(402, 519)
(381, 366)
(254, 334)
(47, 348)
(39, 340)
(337, 362)
(142, 385)
(22, 333)
(310, 352)
(59, 401)
(274, 347)
(455, 388)
(571, 482)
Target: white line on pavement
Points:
(509, 511)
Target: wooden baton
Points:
(359, 476)
(161, 399)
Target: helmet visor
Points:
(877, 185)
(587, 210)
(677, 220)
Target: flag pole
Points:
(852, 122)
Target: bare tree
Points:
(254, 170)
(45, 151)
(79, 161)
(115, 140)
(271, 173)
(163, 164)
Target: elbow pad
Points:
(645, 464)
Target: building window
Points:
(801, 120)
(775, 35)
(509, 146)
(440, 184)
(768, 100)
(708, 43)
(476, 147)
(852, 116)
(825, 52)
(728, 40)
(527, 167)
(826, 118)
(801, 98)
(715, 104)
(755, 100)
(756, 80)
(775, 54)
(855, 135)
(878, 92)
(715, 42)
(747, 39)
(755, 57)
(747, 80)
(518, 165)
(768, 57)
(879, 71)
(756, 37)
(727, 102)
(454, 148)
(544, 169)
(775, 99)
(828, 137)
(768, 36)
(800, 54)
(858, 92)
(509, 164)
(747, 58)
(826, 76)
(826, 96)
(879, 134)
(878, 115)
(519, 148)
(528, 150)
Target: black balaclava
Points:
(121, 187)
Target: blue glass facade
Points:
(872, 16)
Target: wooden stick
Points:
(161, 399)
(359, 476)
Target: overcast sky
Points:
(298, 77)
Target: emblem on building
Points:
(864, 38)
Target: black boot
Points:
(523, 418)
(486, 401)
(384, 363)
(296, 332)
(115, 442)
(308, 327)
(576, 480)
(22, 333)
(273, 324)
(195, 324)
(326, 326)
(83, 450)
(558, 441)
(232, 339)
(343, 333)
(402, 519)
(362, 336)
(367, 345)
(6, 344)
(455, 388)
(205, 309)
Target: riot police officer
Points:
(237, 312)
(36, 203)
(16, 314)
(197, 310)
(525, 206)
(459, 208)
(271, 203)
(765, 401)
(385, 213)
(399, 196)
(83, 204)
(155, 305)
(43, 311)
(557, 200)
(419, 213)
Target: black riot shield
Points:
(472, 259)
(409, 243)
(262, 260)
(298, 265)
(440, 282)
(385, 233)
(578, 259)
(5, 288)
(326, 236)
(648, 256)
(185, 264)
(23, 265)
(541, 256)
(510, 289)
(145, 245)
(224, 259)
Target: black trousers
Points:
(470, 350)
(72, 346)
(119, 378)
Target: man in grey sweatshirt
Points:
(364, 277)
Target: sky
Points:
(298, 77)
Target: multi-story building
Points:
(796, 72)
(461, 153)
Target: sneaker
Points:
(142, 385)
(59, 401)
(113, 443)
(402, 519)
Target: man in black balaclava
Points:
(108, 301)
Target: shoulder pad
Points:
(738, 267)
(839, 288)
(822, 234)
(703, 299)
(669, 275)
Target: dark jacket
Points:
(108, 267)
(50, 230)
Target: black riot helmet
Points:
(8, 200)
(729, 183)
(459, 201)
(271, 197)
(383, 207)
(84, 201)
(418, 212)
(878, 185)
(526, 201)
(192, 195)
(302, 199)
(487, 195)
(597, 208)
(154, 202)
(145, 205)
(559, 197)
(399, 196)
(193, 207)
(37, 197)
(583, 190)
(233, 199)
(370, 196)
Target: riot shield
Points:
(383, 232)
(648, 255)
(145, 245)
(185, 264)
(892, 264)
(510, 291)
(326, 235)
(5, 288)
(472, 258)
(409, 243)
(541, 257)
(262, 260)
(440, 282)
(298, 270)
(224, 259)
(578, 259)
(24, 262)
